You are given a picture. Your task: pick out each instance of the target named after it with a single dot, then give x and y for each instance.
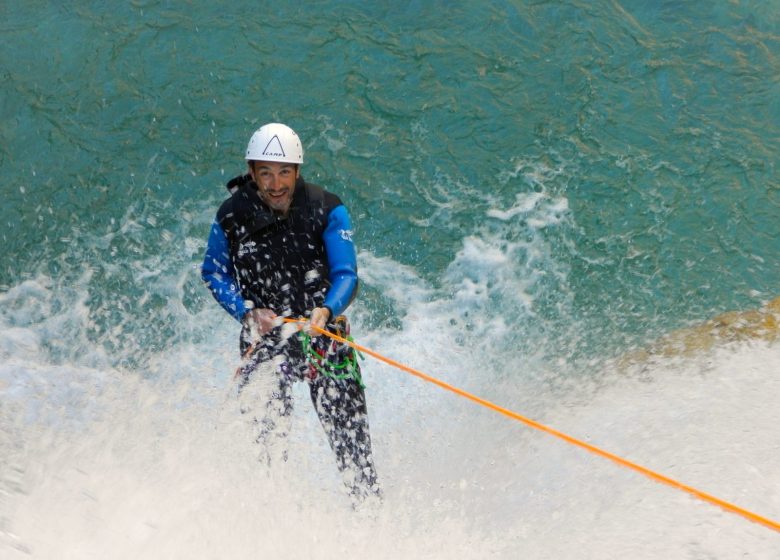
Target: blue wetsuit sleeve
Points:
(218, 273)
(342, 261)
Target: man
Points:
(282, 247)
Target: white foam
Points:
(140, 468)
(100, 461)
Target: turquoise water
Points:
(537, 188)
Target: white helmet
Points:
(275, 142)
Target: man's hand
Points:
(319, 318)
(259, 322)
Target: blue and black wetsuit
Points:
(289, 264)
(257, 258)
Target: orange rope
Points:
(574, 441)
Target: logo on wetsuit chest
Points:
(346, 234)
(248, 248)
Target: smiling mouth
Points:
(277, 200)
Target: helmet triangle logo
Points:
(274, 148)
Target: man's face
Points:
(276, 182)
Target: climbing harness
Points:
(332, 358)
(541, 427)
